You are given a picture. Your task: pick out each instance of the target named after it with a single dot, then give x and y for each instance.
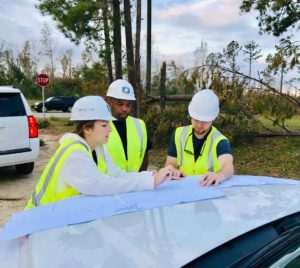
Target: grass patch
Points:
(56, 124)
(279, 157)
(292, 124)
(276, 156)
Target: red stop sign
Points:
(43, 80)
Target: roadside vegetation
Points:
(268, 156)
(253, 104)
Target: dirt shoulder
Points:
(15, 190)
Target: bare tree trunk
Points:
(129, 52)
(117, 40)
(107, 44)
(148, 68)
(129, 43)
(233, 69)
(138, 45)
(163, 70)
(250, 71)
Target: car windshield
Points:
(49, 99)
(276, 244)
(289, 258)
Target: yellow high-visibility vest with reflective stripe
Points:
(46, 189)
(207, 161)
(101, 151)
(136, 145)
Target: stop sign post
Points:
(43, 81)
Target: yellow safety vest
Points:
(207, 161)
(136, 145)
(46, 189)
(101, 151)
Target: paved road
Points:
(49, 114)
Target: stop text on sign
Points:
(43, 80)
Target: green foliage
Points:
(76, 19)
(235, 121)
(237, 128)
(292, 124)
(230, 54)
(252, 51)
(186, 84)
(42, 123)
(270, 105)
(27, 62)
(63, 87)
(240, 107)
(278, 17)
(161, 125)
(87, 80)
(275, 16)
(94, 79)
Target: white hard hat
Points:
(121, 89)
(204, 106)
(91, 108)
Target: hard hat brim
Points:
(103, 118)
(123, 98)
(201, 117)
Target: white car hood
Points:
(162, 237)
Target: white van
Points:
(19, 141)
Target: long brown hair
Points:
(82, 125)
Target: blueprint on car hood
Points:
(86, 208)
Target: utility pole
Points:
(148, 68)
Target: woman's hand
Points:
(166, 173)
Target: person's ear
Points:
(87, 131)
(108, 100)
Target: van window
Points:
(11, 104)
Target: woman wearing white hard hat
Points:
(82, 163)
(200, 148)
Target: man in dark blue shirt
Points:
(200, 148)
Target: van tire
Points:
(25, 168)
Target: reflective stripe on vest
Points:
(101, 158)
(207, 161)
(136, 145)
(45, 189)
(36, 198)
(183, 136)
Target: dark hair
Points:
(81, 125)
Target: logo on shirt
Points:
(126, 90)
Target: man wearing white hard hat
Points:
(200, 148)
(73, 169)
(128, 143)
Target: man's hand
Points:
(211, 178)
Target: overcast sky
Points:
(178, 27)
